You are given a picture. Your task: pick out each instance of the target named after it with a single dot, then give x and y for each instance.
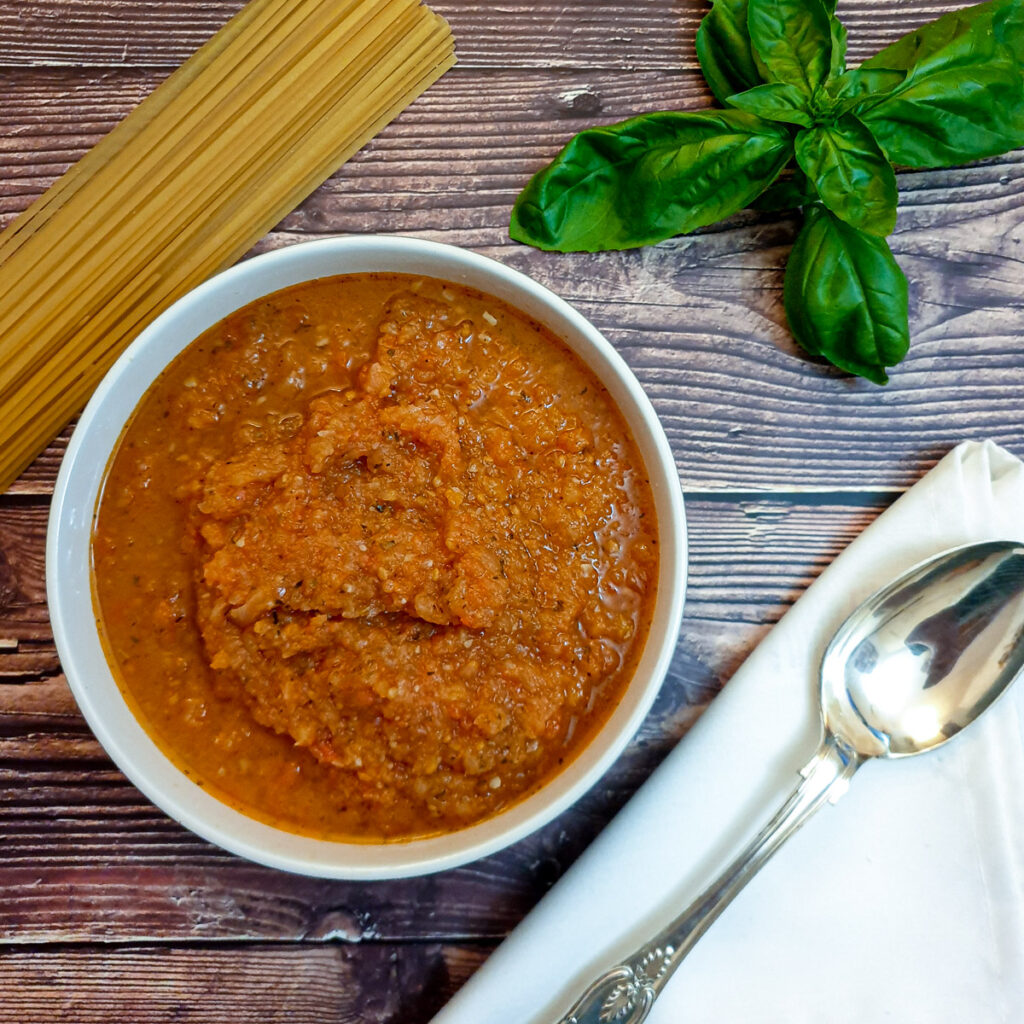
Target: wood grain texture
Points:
(699, 318)
(263, 985)
(521, 33)
(84, 857)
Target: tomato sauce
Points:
(375, 557)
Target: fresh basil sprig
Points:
(947, 93)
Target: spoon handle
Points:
(625, 993)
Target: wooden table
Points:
(109, 911)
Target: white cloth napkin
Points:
(903, 902)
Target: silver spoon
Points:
(912, 666)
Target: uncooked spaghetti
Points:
(227, 146)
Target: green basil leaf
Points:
(1008, 26)
(649, 178)
(930, 39)
(846, 297)
(837, 58)
(794, 40)
(775, 102)
(790, 192)
(963, 96)
(861, 85)
(850, 173)
(723, 49)
(951, 116)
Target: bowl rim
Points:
(188, 803)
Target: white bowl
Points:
(81, 476)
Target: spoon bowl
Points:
(915, 664)
(924, 656)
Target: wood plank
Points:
(699, 317)
(84, 857)
(521, 33)
(368, 984)
(39, 478)
(26, 642)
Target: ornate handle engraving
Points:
(626, 993)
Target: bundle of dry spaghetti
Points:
(230, 143)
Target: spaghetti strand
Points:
(239, 135)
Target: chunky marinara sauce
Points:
(375, 557)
